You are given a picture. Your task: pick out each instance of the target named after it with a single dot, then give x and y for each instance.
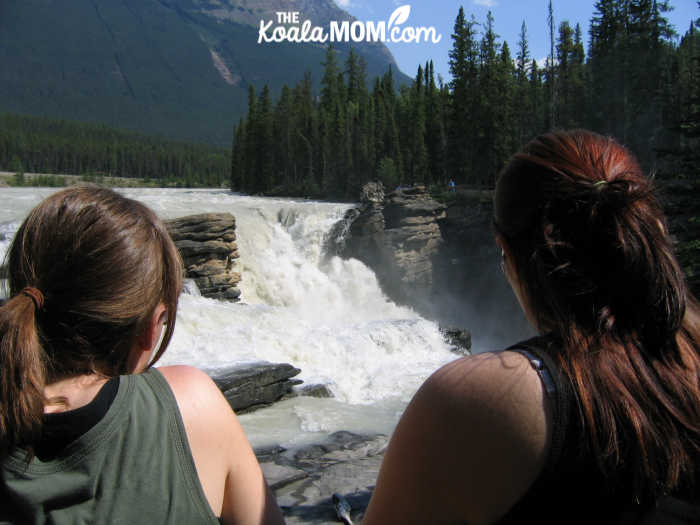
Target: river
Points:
(324, 315)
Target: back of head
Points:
(597, 269)
(590, 232)
(87, 268)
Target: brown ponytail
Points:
(22, 372)
(598, 271)
(86, 270)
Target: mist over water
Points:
(324, 315)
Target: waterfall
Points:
(302, 305)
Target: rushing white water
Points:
(325, 315)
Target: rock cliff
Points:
(207, 244)
(398, 236)
(441, 260)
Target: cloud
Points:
(343, 3)
(487, 3)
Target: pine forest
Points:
(637, 82)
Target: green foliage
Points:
(427, 133)
(387, 173)
(42, 145)
(331, 146)
(19, 180)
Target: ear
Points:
(148, 339)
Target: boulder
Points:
(459, 339)
(314, 390)
(207, 245)
(248, 387)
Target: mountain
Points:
(177, 68)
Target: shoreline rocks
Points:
(304, 480)
(249, 387)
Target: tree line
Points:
(95, 151)
(636, 83)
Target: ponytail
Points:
(103, 263)
(596, 267)
(22, 371)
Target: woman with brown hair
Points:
(89, 432)
(596, 420)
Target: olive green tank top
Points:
(134, 466)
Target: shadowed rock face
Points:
(441, 261)
(398, 236)
(207, 245)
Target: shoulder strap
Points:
(558, 392)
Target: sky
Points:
(508, 17)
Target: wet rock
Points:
(347, 464)
(249, 387)
(278, 476)
(207, 245)
(458, 338)
(317, 390)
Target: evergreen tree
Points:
(418, 167)
(524, 102)
(463, 67)
(551, 75)
(564, 99)
(488, 116)
(251, 166)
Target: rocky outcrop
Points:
(248, 387)
(303, 483)
(459, 340)
(439, 259)
(398, 236)
(207, 244)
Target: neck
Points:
(72, 392)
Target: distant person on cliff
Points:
(89, 432)
(596, 420)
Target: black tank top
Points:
(59, 429)
(570, 489)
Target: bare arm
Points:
(470, 443)
(226, 465)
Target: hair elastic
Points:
(35, 295)
(600, 183)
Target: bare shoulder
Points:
(226, 465)
(500, 382)
(201, 403)
(186, 378)
(478, 429)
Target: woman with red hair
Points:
(596, 420)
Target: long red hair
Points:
(598, 271)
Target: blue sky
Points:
(508, 15)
